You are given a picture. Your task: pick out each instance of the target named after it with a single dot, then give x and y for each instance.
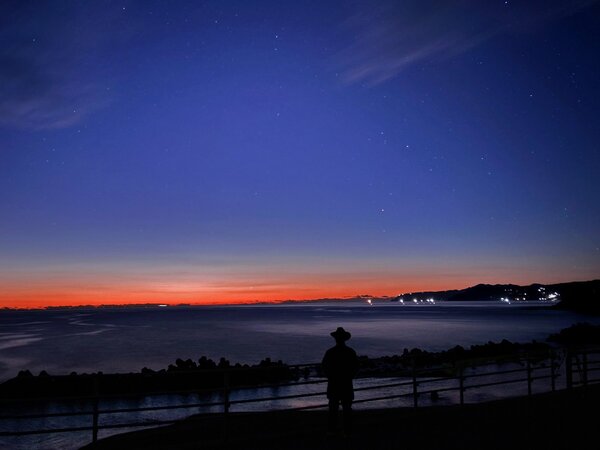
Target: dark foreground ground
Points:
(560, 420)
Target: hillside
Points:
(581, 296)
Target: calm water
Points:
(122, 340)
(117, 340)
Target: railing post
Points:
(461, 384)
(414, 386)
(585, 368)
(529, 380)
(552, 371)
(226, 404)
(569, 369)
(226, 389)
(95, 409)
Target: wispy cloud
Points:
(394, 36)
(33, 97)
(50, 75)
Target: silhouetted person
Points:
(340, 365)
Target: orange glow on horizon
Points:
(53, 296)
(96, 290)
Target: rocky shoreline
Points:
(206, 375)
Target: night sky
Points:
(189, 151)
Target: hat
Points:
(340, 334)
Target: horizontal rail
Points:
(114, 411)
(437, 379)
(46, 431)
(489, 374)
(431, 391)
(448, 389)
(383, 386)
(387, 397)
(91, 398)
(270, 399)
(45, 415)
(548, 363)
(260, 386)
(495, 383)
(583, 382)
(159, 408)
(587, 369)
(303, 408)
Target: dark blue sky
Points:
(201, 151)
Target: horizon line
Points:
(268, 302)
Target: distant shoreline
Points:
(577, 295)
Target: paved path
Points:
(560, 420)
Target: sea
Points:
(126, 339)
